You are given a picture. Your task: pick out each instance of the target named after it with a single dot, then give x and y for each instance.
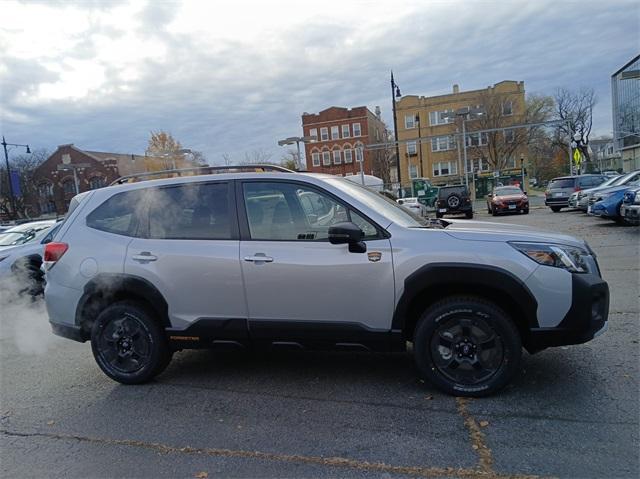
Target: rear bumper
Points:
(551, 201)
(586, 319)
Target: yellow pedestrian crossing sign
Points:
(577, 157)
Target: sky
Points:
(234, 77)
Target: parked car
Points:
(146, 268)
(630, 209)
(412, 204)
(559, 189)
(23, 233)
(573, 199)
(507, 199)
(454, 200)
(607, 203)
(586, 195)
(21, 264)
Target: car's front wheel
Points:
(467, 346)
(128, 343)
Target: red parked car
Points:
(507, 199)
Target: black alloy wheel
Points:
(467, 346)
(128, 344)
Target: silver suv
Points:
(287, 260)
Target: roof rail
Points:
(201, 170)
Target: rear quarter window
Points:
(119, 214)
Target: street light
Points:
(395, 92)
(466, 114)
(297, 140)
(6, 159)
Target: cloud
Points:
(237, 78)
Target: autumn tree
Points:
(384, 158)
(164, 146)
(290, 160)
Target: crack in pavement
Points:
(484, 471)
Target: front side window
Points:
(119, 214)
(293, 212)
(190, 211)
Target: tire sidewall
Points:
(158, 347)
(467, 308)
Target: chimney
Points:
(456, 88)
(378, 113)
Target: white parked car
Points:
(23, 233)
(413, 205)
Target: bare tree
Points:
(384, 158)
(290, 159)
(226, 158)
(25, 165)
(575, 109)
(256, 156)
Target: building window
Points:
(45, 190)
(348, 174)
(356, 129)
(345, 131)
(509, 136)
(511, 163)
(324, 134)
(438, 118)
(69, 187)
(335, 133)
(96, 182)
(315, 159)
(348, 158)
(413, 171)
(477, 139)
(409, 121)
(326, 158)
(337, 159)
(507, 108)
(412, 148)
(443, 143)
(313, 132)
(444, 168)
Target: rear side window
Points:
(562, 183)
(118, 214)
(191, 211)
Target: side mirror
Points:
(525, 193)
(348, 233)
(490, 195)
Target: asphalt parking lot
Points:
(571, 411)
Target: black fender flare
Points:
(472, 279)
(108, 287)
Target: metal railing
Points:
(201, 170)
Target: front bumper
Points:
(505, 207)
(631, 213)
(586, 319)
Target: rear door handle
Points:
(259, 258)
(144, 257)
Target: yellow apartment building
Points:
(430, 135)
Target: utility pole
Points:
(14, 212)
(395, 91)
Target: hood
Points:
(490, 231)
(27, 248)
(614, 189)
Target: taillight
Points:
(53, 252)
(577, 188)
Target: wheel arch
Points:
(104, 289)
(434, 282)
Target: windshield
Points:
(562, 183)
(15, 238)
(612, 181)
(622, 180)
(381, 204)
(508, 191)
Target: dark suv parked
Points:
(559, 189)
(454, 200)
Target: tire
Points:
(488, 209)
(555, 209)
(526, 211)
(139, 335)
(454, 201)
(469, 214)
(494, 212)
(439, 215)
(440, 337)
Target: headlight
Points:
(571, 258)
(637, 200)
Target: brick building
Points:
(342, 137)
(70, 170)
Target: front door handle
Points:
(259, 258)
(144, 257)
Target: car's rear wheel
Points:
(467, 346)
(128, 343)
(469, 214)
(439, 215)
